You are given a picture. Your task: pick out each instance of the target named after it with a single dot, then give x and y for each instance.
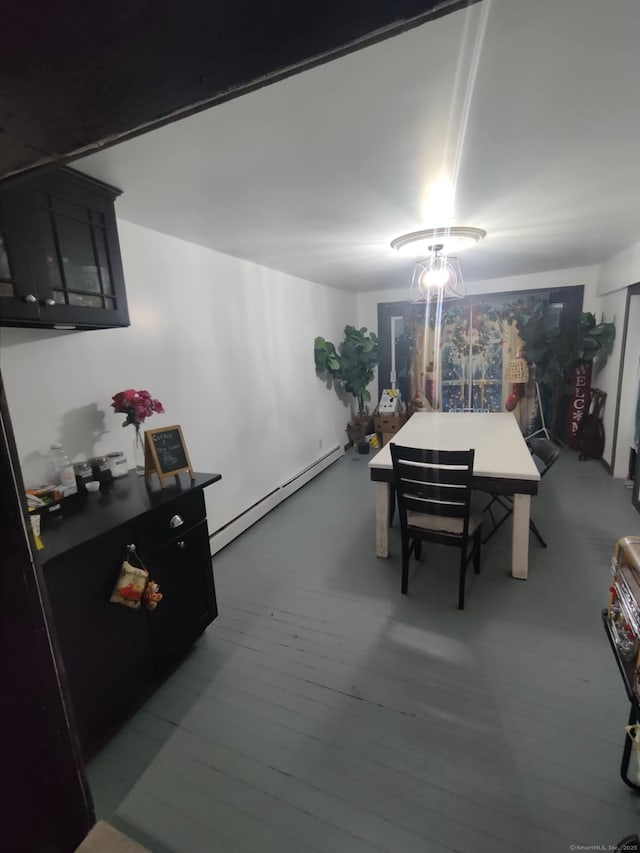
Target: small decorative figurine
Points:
(151, 595)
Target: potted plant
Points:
(353, 366)
(556, 348)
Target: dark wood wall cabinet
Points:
(114, 656)
(60, 264)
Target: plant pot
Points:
(363, 447)
(358, 427)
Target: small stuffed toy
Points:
(151, 595)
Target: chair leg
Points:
(392, 505)
(496, 527)
(406, 553)
(536, 532)
(477, 543)
(463, 574)
(489, 508)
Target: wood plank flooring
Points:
(323, 711)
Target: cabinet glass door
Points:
(6, 280)
(18, 297)
(76, 253)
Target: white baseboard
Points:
(221, 537)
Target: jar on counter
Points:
(101, 469)
(83, 473)
(117, 463)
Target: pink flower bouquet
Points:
(136, 405)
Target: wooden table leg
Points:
(520, 547)
(382, 519)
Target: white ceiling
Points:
(530, 108)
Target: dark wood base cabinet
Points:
(189, 592)
(114, 656)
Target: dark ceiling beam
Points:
(75, 76)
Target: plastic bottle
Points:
(61, 471)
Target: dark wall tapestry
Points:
(459, 355)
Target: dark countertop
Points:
(90, 515)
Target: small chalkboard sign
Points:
(165, 453)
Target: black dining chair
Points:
(545, 454)
(433, 490)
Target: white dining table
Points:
(502, 465)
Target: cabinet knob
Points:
(176, 521)
(30, 298)
(182, 544)
(50, 302)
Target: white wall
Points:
(613, 278)
(226, 345)
(620, 270)
(612, 307)
(629, 390)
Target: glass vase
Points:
(138, 452)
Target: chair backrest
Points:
(546, 451)
(433, 482)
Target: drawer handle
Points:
(182, 544)
(176, 521)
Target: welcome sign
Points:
(580, 396)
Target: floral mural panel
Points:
(454, 397)
(487, 396)
(452, 368)
(457, 355)
(494, 362)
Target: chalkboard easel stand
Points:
(165, 454)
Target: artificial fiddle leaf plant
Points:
(555, 348)
(327, 359)
(352, 364)
(358, 360)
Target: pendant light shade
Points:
(436, 277)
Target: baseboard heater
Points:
(232, 529)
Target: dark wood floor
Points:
(323, 711)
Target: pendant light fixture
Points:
(437, 275)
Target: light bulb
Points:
(436, 278)
(436, 275)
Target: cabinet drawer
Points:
(165, 523)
